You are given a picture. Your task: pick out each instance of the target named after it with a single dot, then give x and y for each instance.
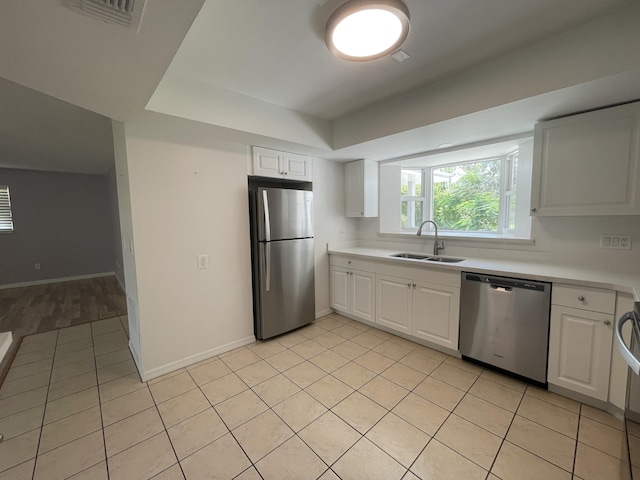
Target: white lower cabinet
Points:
(435, 314)
(580, 341)
(353, 292)
(427, 311)
(393, 307)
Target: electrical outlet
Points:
(36, 266)
(203, 262)
(615, 241)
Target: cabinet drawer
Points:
(585, 298)
(349, 262)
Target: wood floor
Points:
(41, 308)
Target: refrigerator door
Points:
(287, 293)
(284, 214)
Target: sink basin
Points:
(412, 256)
(444, 259)
(427, 258)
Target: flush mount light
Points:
(362, 30)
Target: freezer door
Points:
(287, 293)
(284, 214)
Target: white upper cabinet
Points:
(588, 164)
(361, 189)
(275, 164)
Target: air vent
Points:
(127, 13)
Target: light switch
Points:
(203, 262)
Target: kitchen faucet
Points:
(437, 246)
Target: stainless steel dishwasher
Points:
(504, 322)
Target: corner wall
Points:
(329, 222)
(112, 184)
(188, 197)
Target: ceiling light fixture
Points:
(362, 30)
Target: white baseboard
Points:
(6, 339)
(324, 313)
(170, 367)
(55, 280)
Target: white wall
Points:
(112, 185)
(126, 233)
(188, 198)
(329, 222)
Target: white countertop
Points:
(574, 275)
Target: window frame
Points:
(505, 194)
(6, 214)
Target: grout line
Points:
(104, 438)
(166, 431)
(504, 439)
(35, 463)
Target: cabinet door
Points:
(297, 167)
(267, 162)
(354, 189)
(363, 290)
(436, 314)
(580, 350)
(393, 302)
(588, 164)
(340, 289)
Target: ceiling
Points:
(274, 50)
(258, 71)
(40, 132)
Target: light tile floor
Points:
(336, 399)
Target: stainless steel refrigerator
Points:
(282, 256)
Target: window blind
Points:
(6, 221)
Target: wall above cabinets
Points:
(588, 164)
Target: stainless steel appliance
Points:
(631, 356)
(504, 323)
(282, 259)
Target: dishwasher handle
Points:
(501, 288)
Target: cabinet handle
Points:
(607, 322)
(414, 285)
(534, 210)
(349, 262)
(362, 214)
(581, 298)
(409, 285)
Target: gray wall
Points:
(112, 185)
(62, 221)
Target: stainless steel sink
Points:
(444, 259)
(427, 258)
(412, 256)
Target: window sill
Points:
(471, 237)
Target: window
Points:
(6, 222)
(412, 198)
(464, 195)
(467, 196)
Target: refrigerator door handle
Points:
(267, 220)
(629, 358)
(267, 266)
